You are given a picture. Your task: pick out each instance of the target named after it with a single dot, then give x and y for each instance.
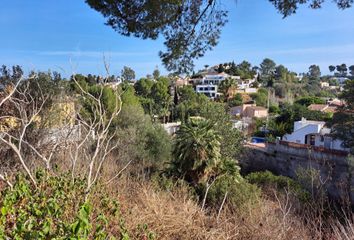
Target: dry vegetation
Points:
(102, 164)
(176, 214)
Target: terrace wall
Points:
(290, 159)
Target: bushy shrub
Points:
(229, 181)
(239, 192)
(59, 209)
(279, 182)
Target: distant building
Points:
(335, 102)
(249, 110)
(327, 108)
(247, 90)
(215, 78)
(172, 128)
(240, 124)
(255, 112)
(340, 80)
(209, 90)
(113, 84)
(313, 133)
(303, 130)
(324, 84)
(244, 84)
(180, 82)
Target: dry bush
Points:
(343, 231)
(176, 214)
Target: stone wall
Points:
(288, 160)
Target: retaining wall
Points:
(289, 160)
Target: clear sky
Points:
(68, 36)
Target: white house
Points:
(244, 84)
(324, 84)
(324, 139)
(340, 80)
(313, 133)
(172, 128)
(303, 130)
(209, 90)
(215, 78)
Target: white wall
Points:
(299, 134)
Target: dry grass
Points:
(176, 215)
(344, 231)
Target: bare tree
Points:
(24, 112)
(98, 138)
(89, 141)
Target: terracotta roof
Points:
(331, 109)
(257, 108)
(317, 107)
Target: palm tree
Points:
(227, 86)
(197, 149)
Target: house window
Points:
(322, 138)
(312, 140)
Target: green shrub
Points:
(229, 181)
(267, 178)
(59, 209)
(239, 192)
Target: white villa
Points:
(303, 130)
(209, 90)
(207, 83)
(313, 133)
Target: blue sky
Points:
(67, 36)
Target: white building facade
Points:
(209, 90)
(302, 130)
(314, 133)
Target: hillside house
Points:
(209, 90)
(324, 84)
(313, 133)
(322, 108)
(303, 130)
(249, 110)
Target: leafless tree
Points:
(98, 139)
(24, 112)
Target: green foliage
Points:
(145, 142)
(129, 98)
(235, 101)
(261, 97)
(314, 72)
(108, 99)
(55, 210)
(230, 138)
(197, 149)
(244, 70)
(273, 109)
(307, 101)
(264, 179)
(343, 120)
(230, 182)
(291, 113)
(225, 86)
(155, 96)
(143, 87)
(267, 69)
(156, 73)
(190, 103)
(178, 22)
(128, 74)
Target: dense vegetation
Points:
(116, 173)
